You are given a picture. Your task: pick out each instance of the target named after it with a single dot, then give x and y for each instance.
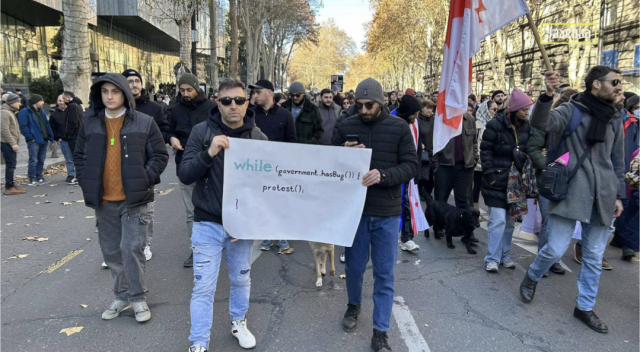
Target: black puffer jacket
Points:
(56, 120)
(183, 116)
(496, 156)
(276, 123)
(155, 110)
(73, 119)
(207, 172)
(143, 153)
(393, 154)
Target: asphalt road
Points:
(445, 300)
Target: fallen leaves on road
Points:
(84, 305)
(66, 203)
(53, 185)
(343, 276)
(28, 216)
(19, 256)
(27, 225)
(9, 223)
(164, 193)
(89, 217)
(427, 325)
(35, 239)
(88, 239)
(80, 201)
(37, 203)
(71, 331)
(39, 196)
(47, 201)
(61, 217)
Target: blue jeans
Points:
(380, 235)
(68, 157)
(283, 244)
(500, 232)
(594, 241)
(209, 240)
(37, 154)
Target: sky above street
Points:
(350, 16)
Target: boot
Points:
(350, 320)
(591, 320)
(527, 288)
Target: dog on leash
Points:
(320, 253)
(454, 221)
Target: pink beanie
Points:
(518, 100)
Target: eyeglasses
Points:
(368, 105)
(135, 81)
(226, 101)
(614, 82)
(295, 95)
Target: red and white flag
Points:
(470, 21)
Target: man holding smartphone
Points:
(393, 162)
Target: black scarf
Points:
(602, 113)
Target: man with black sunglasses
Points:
(191, 108)
(393, 162)
(309, 129)
(596, 190)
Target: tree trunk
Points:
(213, 44)
(75, 70)
(233, 18)
(184, 33)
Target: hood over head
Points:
(119, 81)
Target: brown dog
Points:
(318, 250)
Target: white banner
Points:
(288, 191)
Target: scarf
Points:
(482, 114)
(520, 186)
(602, 113)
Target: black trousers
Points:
(10, 158)
(456, 178)
(406, 233)
(477, 186)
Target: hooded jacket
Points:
(143, 152)
(30, 126)
(207, 172)
(183, 116)
(72, 119)
(10, 130)
(309, 128)
(155, 110)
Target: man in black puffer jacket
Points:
(119, 157)
(191, 108)
(393, 162)
(496, 154)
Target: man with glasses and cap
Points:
(309, 129)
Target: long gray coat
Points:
(601, 176)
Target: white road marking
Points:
(408, 329)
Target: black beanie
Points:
(631, 101)
(496, 92)
(35, 98)
(131, 72)
(191, 80)
(409, 105)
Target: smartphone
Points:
(353, 138)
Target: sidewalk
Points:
(23, 160)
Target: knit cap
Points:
(518, 100)
(12, 98)
(35, 98)
(191, 80)
(408, 106)
(370, 89)
(296, 88)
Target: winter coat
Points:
(9, 127)
(73, 119)
(393, 106)
(329, 117)
(182, 116)
(207, 172)
(447, 157)
(496, 155)
(276, 123)
(155, 110)
(600, 179)
(56, 120)
(393, 155)
(309, 128)
(30, 127)
(537, 141)
(143, 152)
(631, 136)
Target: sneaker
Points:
(409, 246)
(43, 182)
(492, 267)
(116, 307)
(104, 265)
(189, 262)
(142, 311)
(577, 252)
(286, 251)
(32, 183)
(627, 253)
(350, 320)
(245, 337)
(606, 265)
(197, 348)
(379, 341)
(147, 253)
(14, 190)
(509, 264)
(265, 248)
(71, 180)
(342, 260)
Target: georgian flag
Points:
(470, 21)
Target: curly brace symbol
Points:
(236, 204)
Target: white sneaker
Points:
(147, 253)
(509, 264)
(409, 246)
(116, 307)
(197, 348)
(142, 311)
(342, 260)
(104, 265)
(492, 267)
(244, 336)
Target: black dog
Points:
(454, 221)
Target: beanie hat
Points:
(35, 98)
(296, 88)
(496, 92)
(410, 91)
(631, 101)
(131, 72)
(408, 106)
(191, 80)
(12, 98)
(518, 100)
(370, 89)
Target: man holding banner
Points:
(203, 163)
(393, 162)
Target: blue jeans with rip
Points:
(499, 231)
(37, 154)
(283, 244)
(380, 236)
(594, 242)
(68, 158)
(208, 241)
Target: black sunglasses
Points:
(295, 95)
(226, 101)
(614, 82)
(368, 105)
